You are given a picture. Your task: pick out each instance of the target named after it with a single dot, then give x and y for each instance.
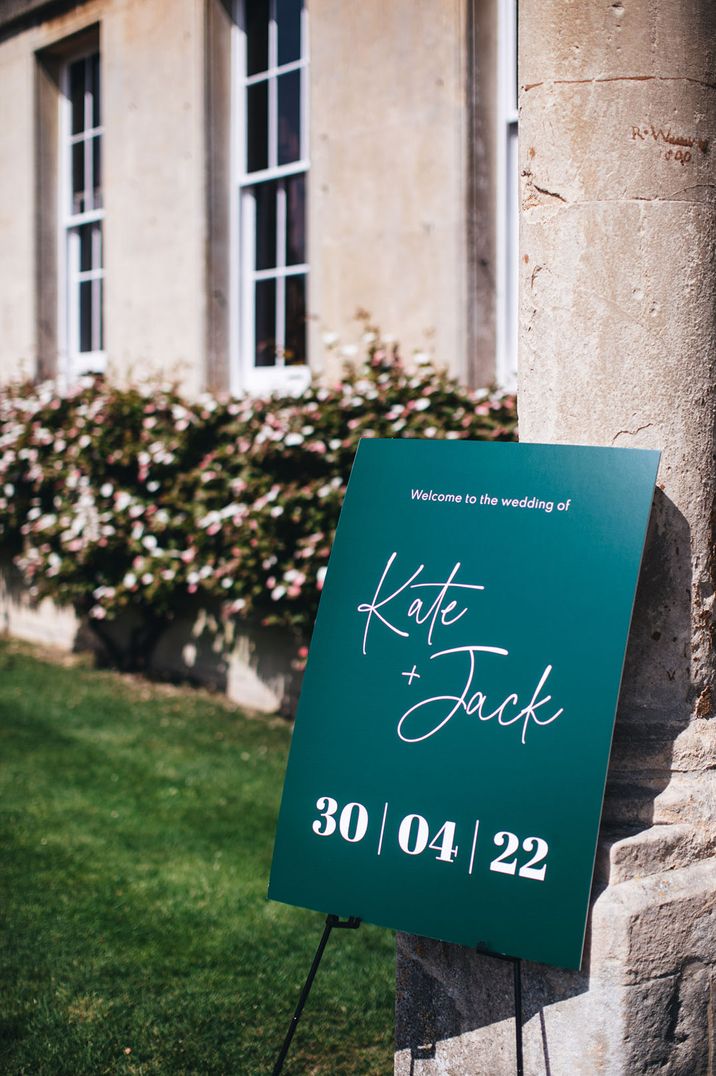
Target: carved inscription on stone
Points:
(673, 146)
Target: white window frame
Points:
(72, 361)
(507, 198)
(245, 375)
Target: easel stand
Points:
(517, 985)
(331, 922)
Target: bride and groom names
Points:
(397, 607)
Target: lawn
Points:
(136, 828)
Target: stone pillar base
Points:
(650, 1008)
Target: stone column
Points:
(618, 347)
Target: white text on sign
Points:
(395, 608)
(413, 836)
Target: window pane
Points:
(86, 315)
(296, 220)
(97, 171)
(78, 177)
(257, 20)
(288, 15)
(77, 95)
(265, 226)
(265, 322)
(85, 234)
(90, 243)
(97, 246)
(289, 117)
(94, 68)
(97, 320)
(257, 121)
(295, 349)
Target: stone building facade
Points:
(209, 189)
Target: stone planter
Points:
(252, 665)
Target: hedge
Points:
(114, 498)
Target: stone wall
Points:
(154, 187)
(389, 173)
(253, 666)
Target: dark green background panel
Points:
(558, 594)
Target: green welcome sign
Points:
(449, 758)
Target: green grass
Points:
(136, 828)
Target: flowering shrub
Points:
(119, 498)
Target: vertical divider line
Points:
(474, 844)
(382, 829)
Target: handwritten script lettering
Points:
(395, 606)
(416, 610)
(473, 702)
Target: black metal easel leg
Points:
(331, 922)
(517, 975)
(517, 984)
